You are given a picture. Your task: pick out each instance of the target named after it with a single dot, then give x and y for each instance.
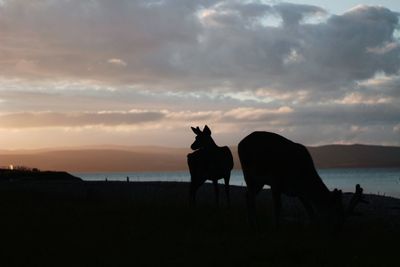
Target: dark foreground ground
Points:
(150, 224)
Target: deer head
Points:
(203, 138)
(358, 197)
(340, 211)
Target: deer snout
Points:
(193, 147)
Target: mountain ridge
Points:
(110, 158)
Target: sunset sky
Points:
(123, 72)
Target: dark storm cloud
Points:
(293, 14)
(322, 56)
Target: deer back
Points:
(286, 165)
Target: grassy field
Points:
(150, 224)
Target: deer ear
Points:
(196, 130)
(206, 130)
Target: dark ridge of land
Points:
(120, 159)
(355, 156)
(62, 223)
(36, 175)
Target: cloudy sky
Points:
(128, 72)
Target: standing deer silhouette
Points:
(287, 167)
(208, 162)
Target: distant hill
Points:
(101, 159)
(353, 156)
(151, 158)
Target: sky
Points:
(95, 72)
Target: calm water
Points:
(376, 181)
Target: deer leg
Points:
(309, 208)
(228, 199)
(251, 193)
(215, 183)
(192, 193)
(251, 207)
(276, 195)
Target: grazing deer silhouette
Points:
(208, 162)
(287, 167)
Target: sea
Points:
(380, 181)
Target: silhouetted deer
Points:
(287, 167)
(208, 162)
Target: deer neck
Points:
(319, 194)
(211, 145)
(322, 198)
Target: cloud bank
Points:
(244, 65)
(197, 45)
